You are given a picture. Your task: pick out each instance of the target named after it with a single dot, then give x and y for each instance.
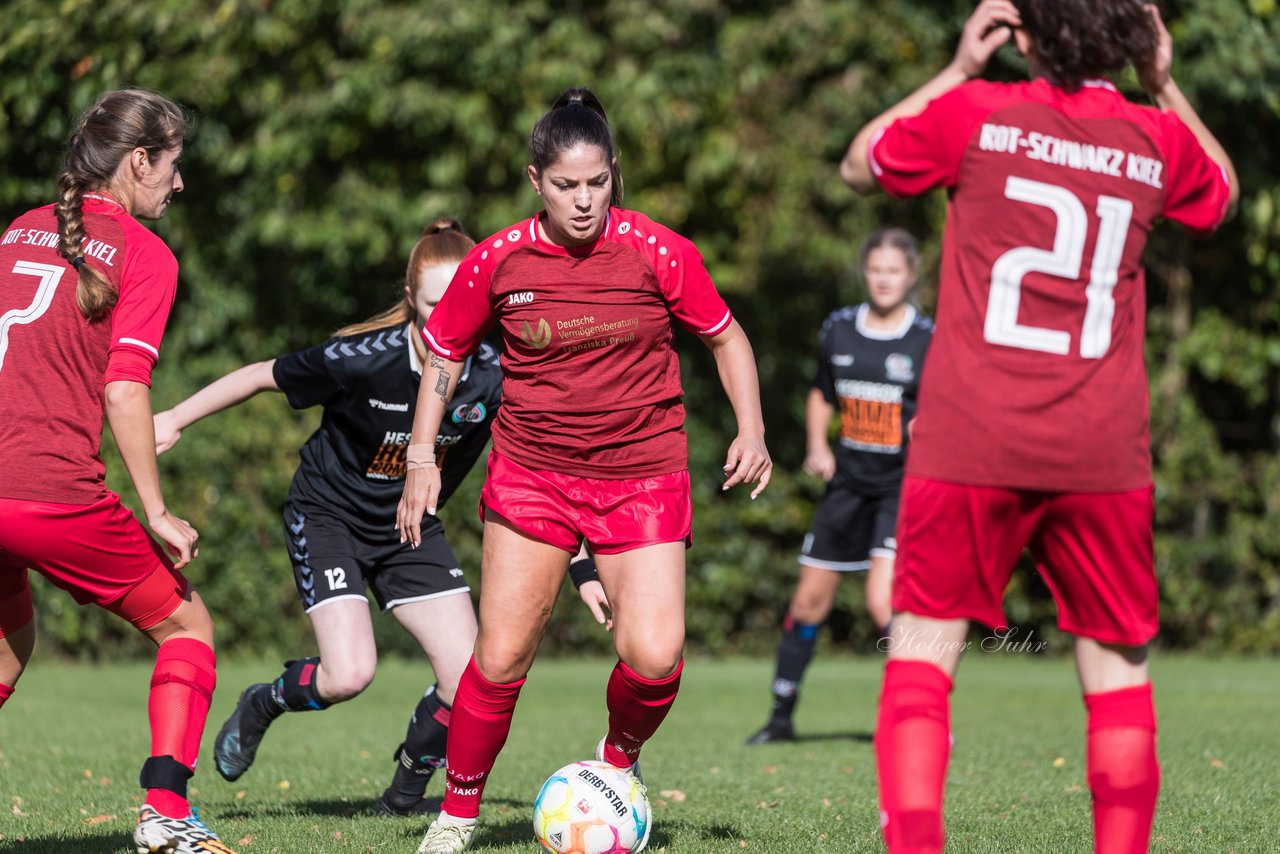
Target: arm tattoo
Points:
(442, 382)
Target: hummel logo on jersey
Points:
(537, 340)
(842, 360)
(455, 572)
(390, 407)
(521, 298)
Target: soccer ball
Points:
(591, 807)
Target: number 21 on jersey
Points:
(49, 276)
(1064, 260)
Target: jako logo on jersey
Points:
(537, 340)
(899, 368)
(842, 360)
(473, 413)
(390, 407)
(521, 298)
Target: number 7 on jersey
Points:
(49, 276)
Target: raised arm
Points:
(236, 387)
(1156, 77)
(748, 458)
(985, 31)
(422, 479)
(128, 411)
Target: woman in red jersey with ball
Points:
(589, 444)
(1032, 426)
(85, 291)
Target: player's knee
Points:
(347, 680)
(653, 663)
(810, 609)
(189, 619)
(502, 664)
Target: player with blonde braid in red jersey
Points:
(1032, 426)
(589, 444)
(85, 291)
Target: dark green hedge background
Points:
(327, 133)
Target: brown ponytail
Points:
(94, 293)
(442, 241)
(119, 122)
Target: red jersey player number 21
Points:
(1032, 422)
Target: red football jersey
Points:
(591, 381)
(1036, 377)
(54, 363)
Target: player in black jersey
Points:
(339, 519)
(869, 363)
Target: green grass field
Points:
(72, 739)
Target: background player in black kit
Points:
(339, 519)
(869, 363)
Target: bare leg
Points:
(913, 730)
(520, 578)
(445, 628)
(1123, 771)
(810, 604)
(815, 594)
(348, 654)
(646, 589)
(15, 651)
(880, 591)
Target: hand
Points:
(179, 537)
(167, 432)
(747, 462)
(421, 490)
(592, 593)
(987, 29)
(820, 462)
(1156, 70)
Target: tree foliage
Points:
(327, 133)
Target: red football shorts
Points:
(611, 515)
(98, 553)
(958, 544)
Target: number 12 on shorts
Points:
(337, 578)
(1065, 261)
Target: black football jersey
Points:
(354, 464)
(872, 378)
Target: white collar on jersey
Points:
(1100, 83)
(860, 323)
(415, 364)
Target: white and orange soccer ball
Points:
(591, 807)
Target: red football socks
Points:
(6, 692)
(181, 688)
(478, 728)
(637, 707)
(1124, 775)
(913, 743)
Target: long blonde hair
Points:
(442, 241)
(120, 121)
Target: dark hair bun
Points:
(444, 223)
